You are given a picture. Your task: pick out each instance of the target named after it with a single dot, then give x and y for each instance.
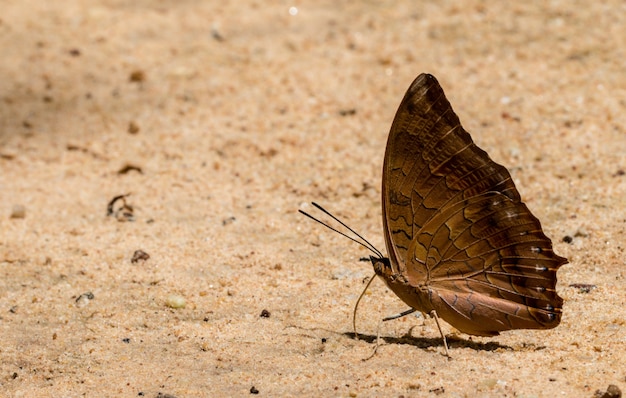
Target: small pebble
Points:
(84, 299)
(137, 76)
(612, 391)
(228, 220)
(139, 255)
(133, 128)
(165, 395)
(175, 301)
(18, 211)
(487, 383)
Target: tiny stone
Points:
(488, 383)
(581, 232)
(175, 301)
(228, 220)
(139, 255)
(18, 211)
(137, 76)
(84, 299)
(253, 390)
(612, 391)
(133, 128)
(165, 395)
(265, 314)
(216, 34)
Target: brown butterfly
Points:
(462, 245)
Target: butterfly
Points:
(461, 244)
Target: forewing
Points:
(431, 161)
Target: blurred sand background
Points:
(222, 121)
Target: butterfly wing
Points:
(490, 266)
(455, 226)
(430, 161)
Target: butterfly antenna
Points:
(369, 245)
(363, 242)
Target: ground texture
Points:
(222, 121)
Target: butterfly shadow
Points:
(430, 342)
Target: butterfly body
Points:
(459, 239)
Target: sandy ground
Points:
(223, 121)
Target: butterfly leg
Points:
(377, 342)
(400, 315)
(433, 314)
(385, 319)
(356, 335)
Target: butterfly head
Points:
(382, 266)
